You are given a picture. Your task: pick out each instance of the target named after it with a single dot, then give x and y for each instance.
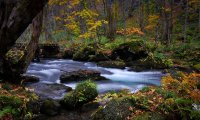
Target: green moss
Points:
(197, 66)
(112, 64)
(157, 60)
(8, 110)
(84, 92)
(10, 101)
(145, 89)
(14, 56)
(6, 86)
(116, 109)
(166, 94)
(84, 53)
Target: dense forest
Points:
(99, 59)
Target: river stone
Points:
(81, 75)
(30, 78)
(50, 91)
(116, 109)
(50, 108)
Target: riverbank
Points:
(172, 100)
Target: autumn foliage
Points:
(185, 85)
(130, 31)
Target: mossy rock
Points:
(149, 116)
(99, 56)
(68, 53)
(156, 61)
(116, 109)
(84, 53)
(84, 92)
(50, 107)
(131, 51)
(112, 64)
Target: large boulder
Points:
(81, 75)
(102, 55)
(84, 54)
(68, 53)
(84, 93)
(49, 50)
(116, 109)
(112, 64)
(50, 108)
(130, 51)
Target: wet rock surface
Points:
(50, 108)
(82, 114)
(50, 91)
(81, 75)
(30, 78)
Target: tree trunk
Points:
(33, 45)
(15, 16)
(199, 19)
(110, 17)
(170, 29)
(141, 16)
(186, 21)
(13, 71)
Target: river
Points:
(49, 71)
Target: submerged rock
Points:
(50, 91)
(81, 75)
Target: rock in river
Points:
(50, 91)
(81, 75)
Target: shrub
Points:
(88, 89)
(10, 105)
(84, 92)
(145, 89)
(159, 60)
(10, 101)
(6, 86)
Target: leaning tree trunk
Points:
(15, 16)
(33, 45)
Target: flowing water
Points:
(50, 70)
